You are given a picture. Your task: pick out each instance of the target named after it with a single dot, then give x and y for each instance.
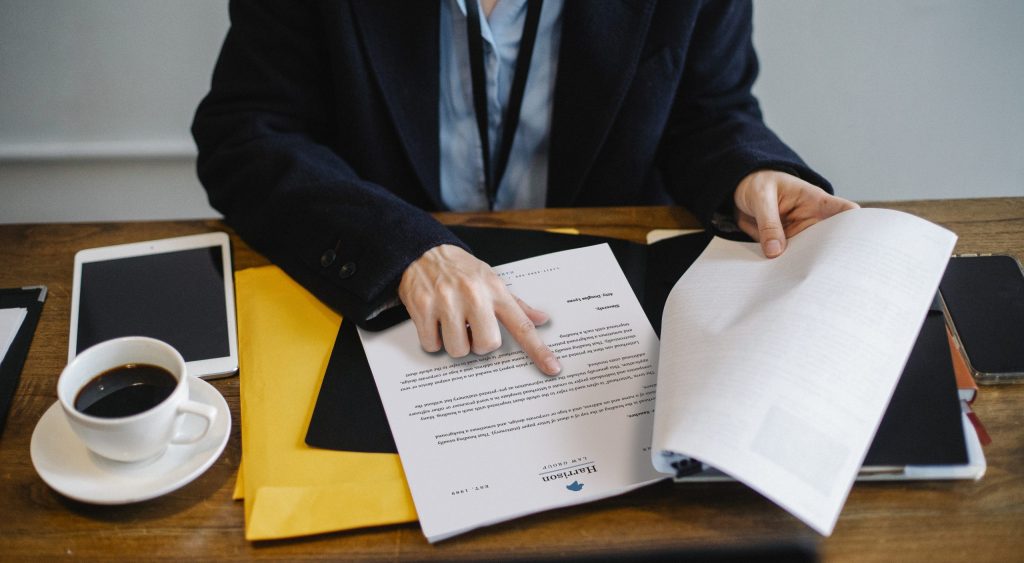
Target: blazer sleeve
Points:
(263, 134)
(716, 134)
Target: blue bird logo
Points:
(576, 486)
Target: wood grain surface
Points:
(923, 521)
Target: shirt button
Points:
(327, 258)
(347, 270)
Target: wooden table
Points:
(958, 520)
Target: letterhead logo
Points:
(569, 473)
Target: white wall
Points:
(891, 99)
(96, 98)
(898, 99)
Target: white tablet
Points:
(179, 290)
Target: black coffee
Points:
(125, 390)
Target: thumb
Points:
(771, 236)
(769, 226)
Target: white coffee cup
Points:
(139, 436)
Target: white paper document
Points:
(488, 438)
(777, 372)
(10, 322)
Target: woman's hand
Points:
(456, 301)
(772, 206)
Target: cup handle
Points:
(204, 411)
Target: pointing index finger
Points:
(522, 329)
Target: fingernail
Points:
(773, 248)
(552, 367)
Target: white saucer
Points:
(68, 467)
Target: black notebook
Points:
(31, 299)
(921, 427)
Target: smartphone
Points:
(983, 299)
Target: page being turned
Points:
(777, 372)
(488, 438)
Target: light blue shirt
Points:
(525, 183)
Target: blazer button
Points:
(327, 258)
(348, 269)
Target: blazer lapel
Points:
(403, 47)
(598, 55)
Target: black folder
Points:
(921, 427)
(32, 299)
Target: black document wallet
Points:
(921, 427)
(923, 424)
(30, 298)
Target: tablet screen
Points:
(176, 296)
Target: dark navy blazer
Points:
(319, 141)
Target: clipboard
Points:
(32, 299)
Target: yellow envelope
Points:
(239, 492)
(285, 337)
